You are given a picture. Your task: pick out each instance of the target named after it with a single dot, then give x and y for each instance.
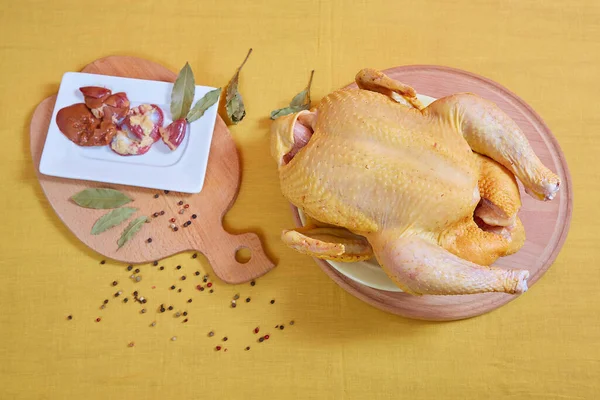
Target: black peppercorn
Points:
(137, 271)
(197, 273)
(166, 192)
(105, 301)
(115, 283)
(194, 216)
(156, 196)
(189, 300)
(180, 203)
(225, 339)
(161, 268)
(176, 229)
(129, 268)
(155, 263)
(195, 255)
(170, 308)
(261, 339)
(155, 215)
(252, 283)
(103, 262)
(125, 300)
(272, 301)
(172, 287)
(70, 317)
(135, 293)
(247, 299)
(184, 313)
(183, 278)
(178, 267)
(149, 240)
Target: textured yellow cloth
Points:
(543, 346)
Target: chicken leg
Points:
(489, 131)
(419, 266)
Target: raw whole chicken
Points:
(429, 191)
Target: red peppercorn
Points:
(218, 348)
(266, 337)
(199, 287)
(256, 330)
(98, 319)
(172, 220)
(209, 284)
(186, 206)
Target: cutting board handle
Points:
(221, 252)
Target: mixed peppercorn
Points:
(136, 277)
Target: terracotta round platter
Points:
(546, 223)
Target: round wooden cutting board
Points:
(205, 234)
(546, 223)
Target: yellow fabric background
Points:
(542, 346)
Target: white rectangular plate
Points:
(182, 170)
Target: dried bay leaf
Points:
(133, 228)
(113, 218)
(100, 198)
(303, 98)
(183, 92)
(288, 110)
(203, 104)
(300, 102)
(236, 111)
(232, 108)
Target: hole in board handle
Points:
(243, 255)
